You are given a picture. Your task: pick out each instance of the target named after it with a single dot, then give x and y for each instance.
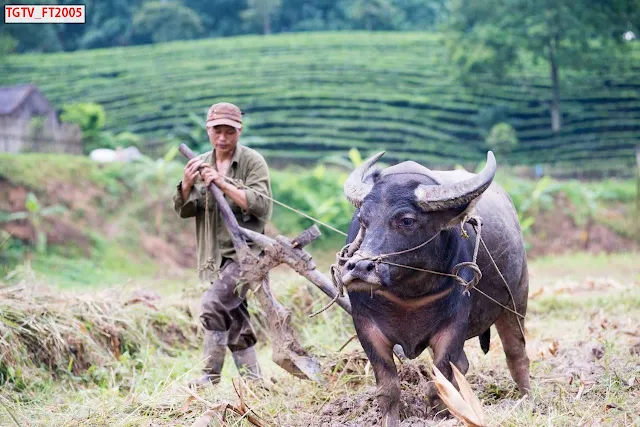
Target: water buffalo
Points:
(400, 208)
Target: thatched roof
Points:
(11, 97)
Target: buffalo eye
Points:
(407, 221)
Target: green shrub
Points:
(91, 118)
(502, 139)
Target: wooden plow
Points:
(286, 349)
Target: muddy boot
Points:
(215, 349)
(247, 363)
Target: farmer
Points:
(224, 313)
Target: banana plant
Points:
(156, 173)
(36, 214)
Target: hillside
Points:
(116, 221)
(109, 225)
(311, 94)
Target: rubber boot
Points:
(247, 363)
(215, 349)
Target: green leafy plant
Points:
(91, 118)
(502, 139)
(194, 134)
(147, 176)
(529, 198)
(35, 213)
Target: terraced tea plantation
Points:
(307, 95)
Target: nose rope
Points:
(475, 222)
(350, 249)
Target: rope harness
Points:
(348, 251)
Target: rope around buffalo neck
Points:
(476, 223)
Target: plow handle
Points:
(229, 220)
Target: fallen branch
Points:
(213, 409)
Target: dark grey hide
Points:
(400, 208)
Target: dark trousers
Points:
(224, 307)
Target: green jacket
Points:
(249, 167)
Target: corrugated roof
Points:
(12, 96)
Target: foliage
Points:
(162, 21)
(7, 45)
(63, 168)
(317, 193)
(529, 198)
(153, 178)
(12, 252)
(532, 197)
(260, 14)
(35, 213)
(134, 22)
(122, 139)
(489, 116)
(499, 37)
(91, 118)
(374, 14)
(193, 133)
(502, 139)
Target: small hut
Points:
(28, 122)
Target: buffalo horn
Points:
(448, 196)
(355, 188)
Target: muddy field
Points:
(583, 339)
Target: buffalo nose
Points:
(360, 265)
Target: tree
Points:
(261, 12)
(373, 14)
(420, 14)
(108, 23)
(500, 36)
(151, 174)
(219, 17)
(7, 45)
(167, 21)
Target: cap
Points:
(224, 113)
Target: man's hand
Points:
(210, 175)
(238, 196)
(190, 174)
